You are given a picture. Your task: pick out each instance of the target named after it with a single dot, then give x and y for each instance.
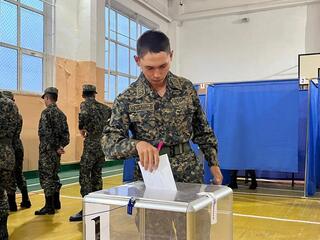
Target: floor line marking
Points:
(68, 178)
(276, 219)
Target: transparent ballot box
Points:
(130, 211)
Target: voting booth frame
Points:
(130, 211)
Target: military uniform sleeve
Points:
(83, 116)
(203, 134)
(115, 141)
(65, 135)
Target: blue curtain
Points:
(256, 124)
(313, 158)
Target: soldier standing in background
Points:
(93, 117)
(8, 124)
(54, 136)
(17, 177)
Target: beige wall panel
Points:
(30, 107)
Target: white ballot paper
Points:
(160, 179)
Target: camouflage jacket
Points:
(93, 117)
(8, 125)
(175, 118)
(53, 128)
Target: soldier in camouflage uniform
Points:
(54, 136)
(8, 124)
(93, 117)
(17, 177)
(160, 107)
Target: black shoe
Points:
(76, 217)
(3, 228)
(12, 202)
(253, 185)
(48, 208)
(25, 204)
(56, 200)
(25, 199)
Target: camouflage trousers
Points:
(17, 178)
(4, 181)
(49, 166)
(185, 168)
(92, 159)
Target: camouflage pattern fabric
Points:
(8, 126)
(4, 182)
(53, 133)
(17, 177)
(93, 117)
(175, 118)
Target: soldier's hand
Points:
(83, 133)
(60, 151)
(215, 170)
(148, 155)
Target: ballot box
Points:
(130, 211)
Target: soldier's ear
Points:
(137, 59)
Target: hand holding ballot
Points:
(148, 155)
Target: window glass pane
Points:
(133, 30)
(31, 74)
(112, 88)
(112, 24)
(31, 30)
(123, 83)
(133, 65)
(8, 23)
(8, 69)
(133, 43)
(123, 59)
(106, 59)
(106, 22)
(144, 29)
(112, 56)
(123, 29)
(37, 4)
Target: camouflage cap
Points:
(52, 90)
(89, 88)
(8, 94)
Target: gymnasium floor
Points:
(269, 213)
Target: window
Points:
(121, 34)
(22, 45)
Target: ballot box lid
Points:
(189, 197)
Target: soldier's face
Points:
(155, 66)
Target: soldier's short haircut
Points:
(154, 42)
(52, 96)
(88, 94)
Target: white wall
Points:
(221, 49)
(313, 29)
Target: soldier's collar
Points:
(144, 86)
(173, 81)
(52, 104)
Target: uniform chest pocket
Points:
(142, 117)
